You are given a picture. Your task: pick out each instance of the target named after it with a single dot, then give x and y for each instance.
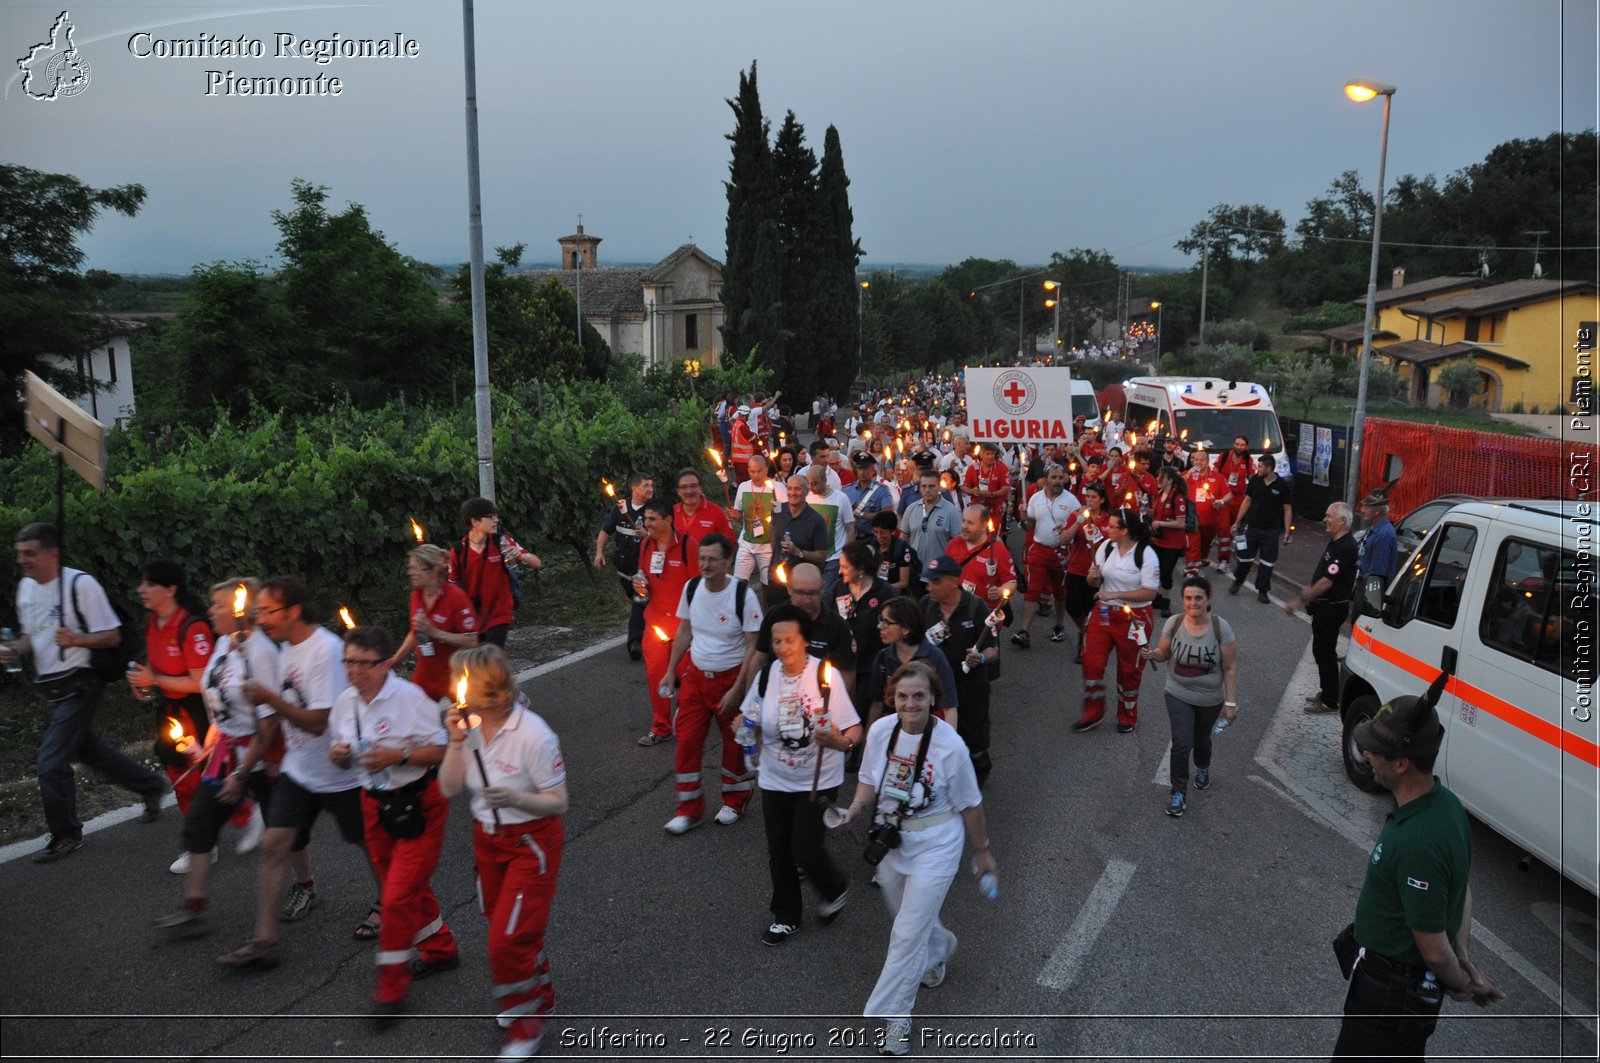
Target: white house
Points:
(105, 372)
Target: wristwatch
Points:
(405, 755)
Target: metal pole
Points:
(861, 320)
(1354, 470)
(1022, 351)
(480, 323)
(1055, 329)
(1205, 265)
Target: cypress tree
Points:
(751, 194)
(838, 254)
(795, 169)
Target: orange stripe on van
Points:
(1521, 719)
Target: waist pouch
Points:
(1345, 949)
(58, 686)
(401, 811)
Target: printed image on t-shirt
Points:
(1191, 659)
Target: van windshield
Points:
(1086, 407)
(1217, 428)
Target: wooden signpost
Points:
(75, 438)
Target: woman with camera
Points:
(917, 781)
(510, 761)
(799, 716)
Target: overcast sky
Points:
(1001, 130)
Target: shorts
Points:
(296, 807)
(1046, 574)
(208, 813)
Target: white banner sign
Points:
(1028, 405)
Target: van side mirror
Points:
(1369, 596)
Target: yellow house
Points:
(1518, 334)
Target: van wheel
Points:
(1361, 710)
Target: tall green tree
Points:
(752, 195)
(833, 315)
(795, 173)
(1088, 291)
(42, 293)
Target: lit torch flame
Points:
(608, 488)
(781, 573)
(180, 741)
(660, 634)
(241, 595)
(461, 690)
(716, 455)
(416, 529)
(1107, 418)
(991, 525)
(1184, 435)
(344, 614)
(1266, 443)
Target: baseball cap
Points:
(943, 565)
(1405, 726)
(743, 408)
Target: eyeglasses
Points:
(361, 662)
(262, 610)
(884, 621)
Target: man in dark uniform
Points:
(625, 522)
(1414, 915)
(1266, 517)
(956, 623)
(1327, 602)
(831, 638)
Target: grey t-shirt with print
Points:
(1195, 672)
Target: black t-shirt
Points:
(960, 633)
(1339, 565)
(895, 560)
(862, 615)
(808, 531)
(1267, 502)
(831, 640)
(625, 525)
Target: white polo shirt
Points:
(400, 716)
(1119, 573)
(1052, 515)
(525, 755)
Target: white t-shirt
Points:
(779, 495)
(1119, 573)
(789, 714)
(401, 716)
(525, 755)
(716, 642)
(39, 612)
(842, 517)
(948, 784)
(1050, 516)
(226, 673)
(313, 678)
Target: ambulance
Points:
(1206, 411)
(1501, 595)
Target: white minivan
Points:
(1501, 595)
(1206, 411)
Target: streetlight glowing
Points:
(866, 284)
(1051, 286)
(1155, 306)
(1363, 90)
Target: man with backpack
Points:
(63, 638)
(483, 564)
(720, 618)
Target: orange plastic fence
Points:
(1438, 461)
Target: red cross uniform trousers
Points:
(698, 699)
(412, 924)
(1113, 631)
(517, 865)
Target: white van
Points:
(1501, 595)
(1084, 401)
(1206, 410)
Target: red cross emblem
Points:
(1014, 392)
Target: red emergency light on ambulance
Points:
(1205, 411)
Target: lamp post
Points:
(861, 319)
(1157, 366)
(1053, 302)
(1361, 92)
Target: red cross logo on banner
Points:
(1015, 393)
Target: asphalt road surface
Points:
(1119, 933)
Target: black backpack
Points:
(738, 595)
(111, 664)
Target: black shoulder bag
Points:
(401, 810)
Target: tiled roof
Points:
(1422, 352)
(1352, 333)
(608, 290)
(1407, 293)
(1497, 297)
(663, 269)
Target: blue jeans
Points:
(1191, 732)
(1386, 1019)
(71, 737)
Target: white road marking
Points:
(122, 815)
(1574, 1008)
(1163, 775)
(1065, 963)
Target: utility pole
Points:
(1205, 263)
(480, 322)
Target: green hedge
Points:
(327, 496)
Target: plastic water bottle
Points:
(1222, 725)
(424, 643)
(1105, 614)
(8, 636)
(988, 883)
(380, 779)
(749, 739)
(144, 694)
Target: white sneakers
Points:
(896, 1037)
(727, 815)
(681, 825)
(180, 866)
(252, 832)
(934, 976)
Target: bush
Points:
(327, 496)
(1330, 314)
(1462, 380)
(1240, 331)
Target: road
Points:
(1120, 932)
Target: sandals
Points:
(367, 929)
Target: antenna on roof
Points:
(1483, 263)
(1538, 240)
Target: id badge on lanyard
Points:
(792, 718)
(658, 563)
(937, 633)
(897, 780)
(843, 602)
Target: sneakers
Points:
(152, 805)
(297, 904)
(186, 923)
(896, 1038)
(1236, 586)
(59, 845)
(683, 824)
(180, 866)
(1316, 706)
(252, 954)
(1177, 804)
(728, 815)
(252, 832)
(650, 738)
(1022, 640)
(828, 911)
(1085, 725)
(934, 976)
(1125, 728)
(1202, 778)
(421, 968)
(1058, 634)
(778, 933)
(1223, 570)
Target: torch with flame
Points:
(780, 572)
(609, 488)
(347, 618)
(660, 633)
(417, 531)
(722, 472)
(825, 681)
(474, 723)
(241, 601)
(183, 743)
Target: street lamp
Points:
(1053, 302)
(1361, 92)
(861, 318)
(1157, 308)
